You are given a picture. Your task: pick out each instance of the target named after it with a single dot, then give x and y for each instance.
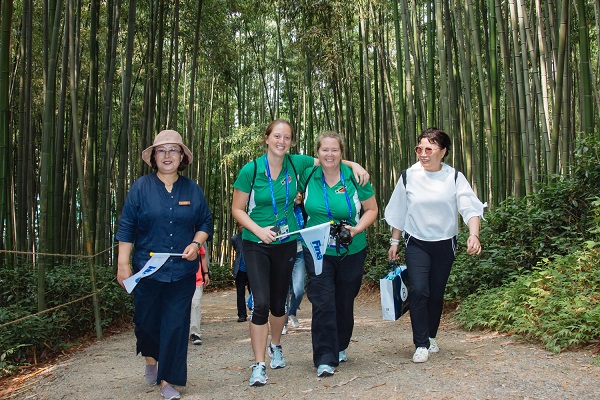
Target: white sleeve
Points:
(395, 212)
(467, 202)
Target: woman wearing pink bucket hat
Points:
(164, 212)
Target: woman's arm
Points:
(473, 243)
(360, 174)
(369, 216)
(123, 266)
(238, 211)
(394, 242)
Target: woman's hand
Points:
(473, 245)
(393, 252)
(190, 253)
(360, 174)
(123, 267)
(266, 235)
(123, 272)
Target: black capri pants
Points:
(269, 268)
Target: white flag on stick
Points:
(316, 238)
(154, 263)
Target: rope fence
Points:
(60, 305)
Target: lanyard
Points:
(327, 199)
(287, 189)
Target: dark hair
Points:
(277, 122)
(331, 135)
(185, 161)
(437, 136)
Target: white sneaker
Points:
(433, 346)
(284, 331)
(421, 355)
(294, 321)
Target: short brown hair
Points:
(331, 135)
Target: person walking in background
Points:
(298, 273)
(423, 211)
(332, 195)
(202, 280)
(164, 212)
(268, 186)
(240, 275)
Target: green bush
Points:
(538, 276)
(521, 232)
(557, 304)
(44, 335)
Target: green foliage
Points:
(538, 277)
(557, 304)
(245, 143)
(521, 232)
(46, 334)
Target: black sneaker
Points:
(242, 319)
(195, 339)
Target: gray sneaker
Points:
(277, 360)
(325, 370)
(259, 375)
(342, 356)
(294, 321)
(169, 392)
(151, 374)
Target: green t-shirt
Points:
(315, 206)
(260, 205)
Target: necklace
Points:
(168, 186)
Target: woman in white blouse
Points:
(424, 209)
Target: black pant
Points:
(269, 268)
(162, 325)
(428, 265)
(332, 295)
(241, 281)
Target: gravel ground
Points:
(470, 365)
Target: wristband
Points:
(197, 244)
(206, 273)
(394, 242)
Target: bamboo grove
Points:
(85, 86)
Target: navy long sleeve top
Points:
(155, 220)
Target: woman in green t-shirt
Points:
(268, 186)
(332, 195)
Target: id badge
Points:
(283, 229)
(331, 242)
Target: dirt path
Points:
(469, 366)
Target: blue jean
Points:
(297, 284)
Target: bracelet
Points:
(206, 273)
(394, 242)
(472, 234)
(197, 244)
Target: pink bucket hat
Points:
(166, 137)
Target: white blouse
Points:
(428, 207)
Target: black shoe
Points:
(195, 339)
(242, 319)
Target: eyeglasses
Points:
(427, 150)
(171, 152)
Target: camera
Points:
(342, 235)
